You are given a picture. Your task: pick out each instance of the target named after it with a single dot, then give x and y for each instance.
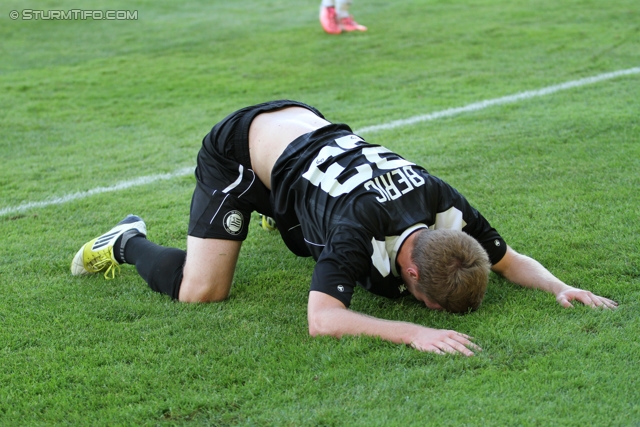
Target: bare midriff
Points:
(270, 133)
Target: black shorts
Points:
(227, 190)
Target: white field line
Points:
(499, 101)
(122, 185)
(476, 106)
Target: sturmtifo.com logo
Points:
(233, 222)
(74, 15)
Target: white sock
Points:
(342, 8)
(327, 3)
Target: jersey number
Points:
(328, 180)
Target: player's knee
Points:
(198, 292)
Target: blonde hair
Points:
(453, 269)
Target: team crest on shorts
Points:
(233, 222)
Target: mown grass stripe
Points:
(476, 106)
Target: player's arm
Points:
(328, 316)
(208, 269)
(525, 271)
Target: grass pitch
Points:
(85, 104)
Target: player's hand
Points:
(565, 297)
(442, 341)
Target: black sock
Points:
(121, 243)
(159, 266)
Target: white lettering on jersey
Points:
(370, 184)
(395, 183)
(389, 186)
(416, 179)
(328, 180)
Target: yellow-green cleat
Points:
(268, 223)
(97, 255)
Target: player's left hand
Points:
(590, 299)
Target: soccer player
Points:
(335, 17)
(367, 216)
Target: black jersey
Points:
(351, 204)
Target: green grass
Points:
(85, 104)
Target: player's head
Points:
(453, 269)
